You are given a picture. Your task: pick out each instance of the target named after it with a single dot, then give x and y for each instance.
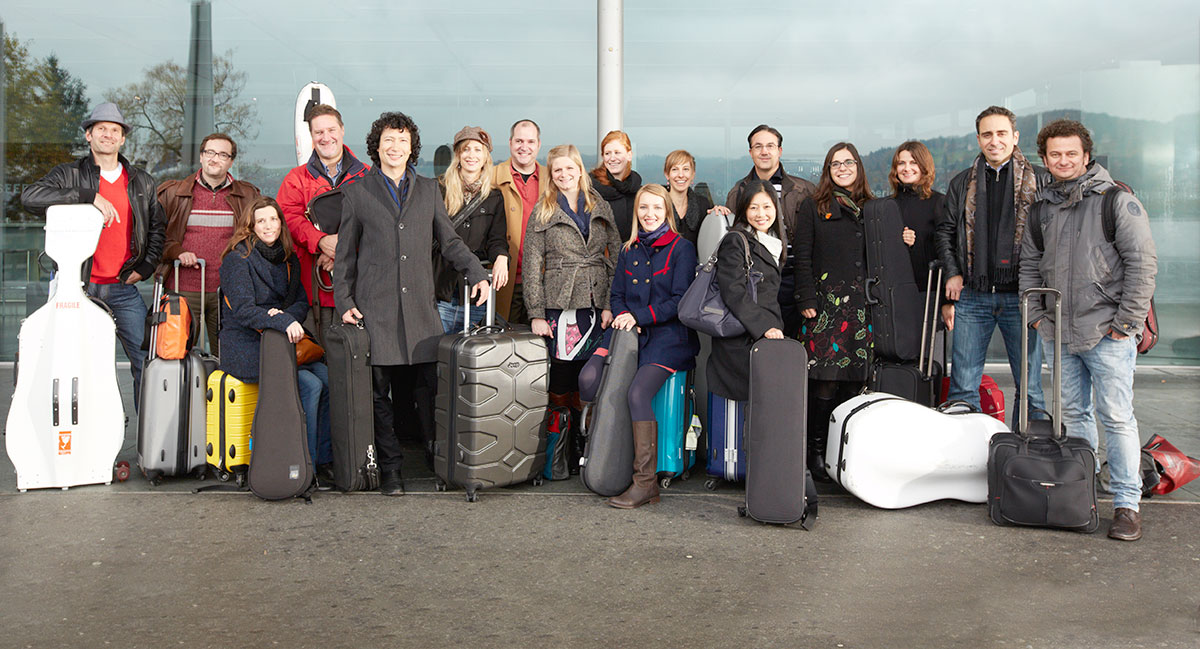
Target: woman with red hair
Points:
(616, 181)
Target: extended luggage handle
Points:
(206, 344)
(933, 291)
(489, 325)
(1023, 397)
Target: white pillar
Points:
(610, 54)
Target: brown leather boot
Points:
(645, 468)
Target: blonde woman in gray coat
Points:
(571, 247)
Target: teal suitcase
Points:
(674, 406)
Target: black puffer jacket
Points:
(78, 182)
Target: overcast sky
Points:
(698, 74)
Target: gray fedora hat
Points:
(106, 112)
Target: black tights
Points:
(646, 383)
(836, 391)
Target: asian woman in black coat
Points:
(755, 217)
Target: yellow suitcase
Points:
(230, 414)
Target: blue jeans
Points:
(976, 316)
(313, 381)
(1107, 369)
(452, 315)
(129, 310)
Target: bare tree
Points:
(154, 106)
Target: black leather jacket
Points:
(78, 182)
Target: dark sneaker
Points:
(325, 473)
(1126, 525)
(391, 484)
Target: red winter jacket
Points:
(298, 188)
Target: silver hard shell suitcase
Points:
(490, 409)
(172, 418)
(607, 464)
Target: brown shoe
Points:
(1126, 525)
(645, 468)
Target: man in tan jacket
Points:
(521, 180)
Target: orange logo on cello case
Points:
(64, 443)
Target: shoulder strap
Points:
(1035, 225)
(1108, 213)
(746, 248)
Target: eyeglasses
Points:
(770, 146)
(209, 153)
(849, 164)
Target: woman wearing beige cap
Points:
(477, 212)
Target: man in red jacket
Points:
(331, 165)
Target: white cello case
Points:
(318, 93)
(66, 423)
(893, 453)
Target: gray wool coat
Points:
(384, 266)
(562, 271)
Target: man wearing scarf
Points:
(979, 242)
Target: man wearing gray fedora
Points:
(131, 242)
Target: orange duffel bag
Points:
(174, 335)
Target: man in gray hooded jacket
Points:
(1106, 283)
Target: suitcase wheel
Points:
(223, 476)
(240, 479)
(472, 496)
(711, 484)
(742, 511)
(664, 483)
(538, 480)
(121, 472)
(439, 486)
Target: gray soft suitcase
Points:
(490, 410)
(351, 414)
(607, 463)
(778, 487)
(172, 418)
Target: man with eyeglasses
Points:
(132, 239)
(766, 149)
(201, 212)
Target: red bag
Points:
(991, 397)
(1174, 468)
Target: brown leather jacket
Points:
(175, 196)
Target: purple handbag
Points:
(701, 307)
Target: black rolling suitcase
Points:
(280, 465)
(351, 407)
(1038, 476)
(779, 488)
(607, 464)
(891, 289)
(490, 409)
(921, 382)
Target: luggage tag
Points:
(692, 438)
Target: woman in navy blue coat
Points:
(654, 269)
(260, 280)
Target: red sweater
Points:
(113, 248)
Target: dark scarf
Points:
(648, 238)
(846, 202)
(983, 272)
(690, 220)
(629, 186)
(274, 254)
(578, 214)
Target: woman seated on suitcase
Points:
(756, 226)
(476, 209)
(260, 280)
(571, 246)
(655, 267)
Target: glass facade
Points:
(698, 75)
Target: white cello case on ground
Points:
(66, 423)
(316, 93)
(893, 453)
